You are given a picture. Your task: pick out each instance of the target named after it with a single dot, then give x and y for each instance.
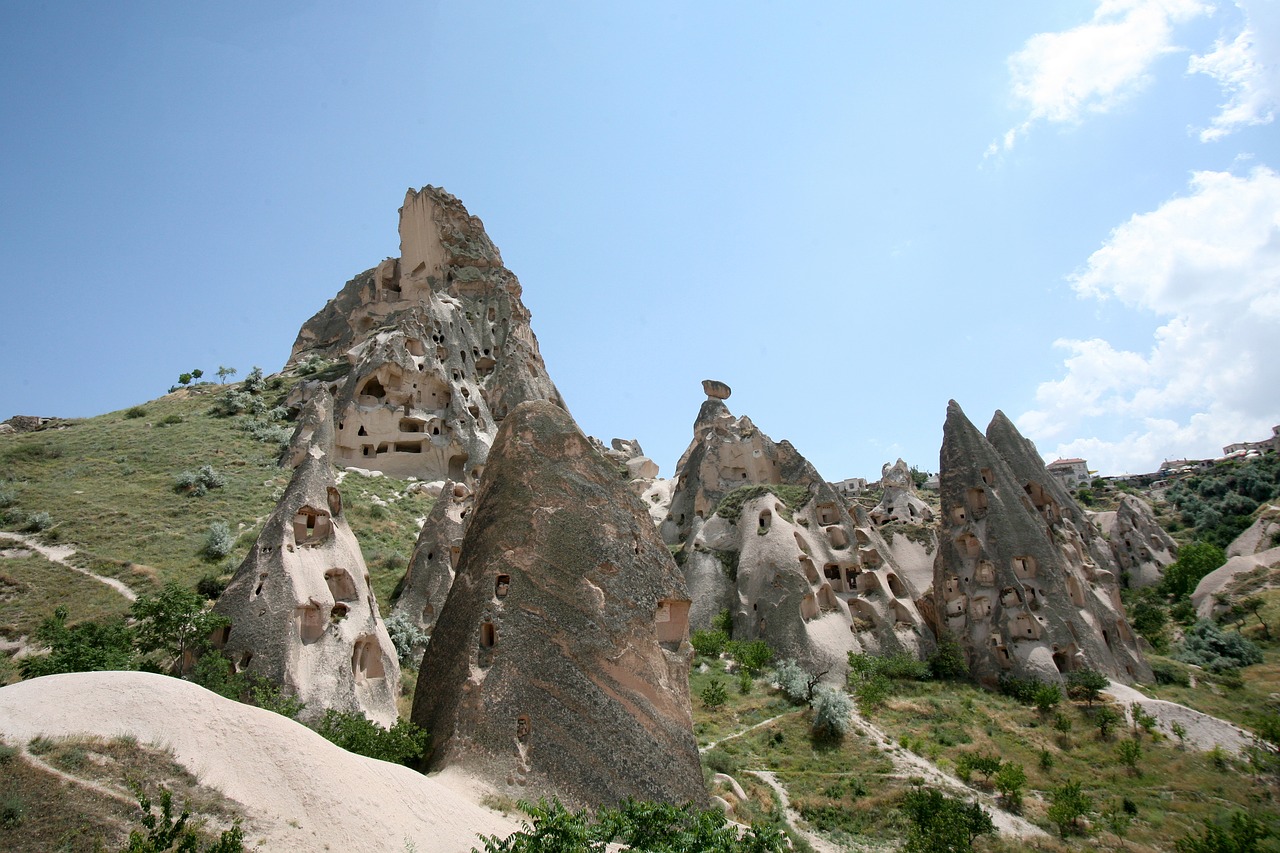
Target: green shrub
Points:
(714, 694)
(408, 639)
(1010, 780)
(38, 521)
(211, 587)
(218, 542)
(165, 833)
(199, 482)
(1069, 804)
(1207, 645)
(84, 647)
(1106, 718)
(709, 644)
(1194, 562)
(794, 682)
(169, 420)
(730, 507)
(174, 623)
(1086, 684)
(1238, 833)
(831, 710)
(355, 732)
(753, 655)
(135, 412)
(1047, 697)
(941, 824)
(1129, 752)
(949, 661)
(12, 811)
(1167, 672)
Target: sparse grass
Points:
(68, 815)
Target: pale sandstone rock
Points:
(560, 661)
(302, 613)
(439, 345)
(435, 556)
(1020, 578)
(1141, 547)
(1260, 536)
(899, 502)
(814, 580)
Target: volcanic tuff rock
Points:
(435, 555)
(764, 536)
(302, 613)
(899, 502)
(560, 661)
(1019, 578)
(439, 346)
(1139, 544)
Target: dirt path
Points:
(747, 730)
(60, 553)
(820, 844)
(1203, 732)
(908, 764)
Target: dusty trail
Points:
(60, 554)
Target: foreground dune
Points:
(300, 791)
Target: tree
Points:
(1106, 719)
(1047, 697)
(1010, 781)
(1194, 562)
(714, 694)
(709, 644)
(1068, 806)
(356, 733)
(1239, 833)
(1254, 604)
(940, 824)
(184, 378)
(197, 373)
(224, 372)
(175, 623)
(752, 656)
(949, 661)
(84, 647)
(1086, 684)
(831, 710)
(1129, 751)
(165, 833)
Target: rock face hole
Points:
(671, 621)
(341, 585)
(501, 586)
(488, 635)
(366, 659)
(311, 526)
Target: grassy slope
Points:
(108, 483)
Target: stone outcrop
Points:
(1140, 546)
(439, 347)
(425, 586)
(899, 501)
(560, 661)
(1020, 579)
(1262, 535)
(628, 455)
(761, 534)
(303, 615)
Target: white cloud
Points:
(1247, 68)
(1095, 66)
(1209, 264)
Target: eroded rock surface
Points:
(560, 661)
(1141, 547)
(425, 587)
(762, 535)
(303, 615)
(900, 502)
(1020, 578)
(439, 347)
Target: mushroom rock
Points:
(761, 534)
(303, 615)
(716, 390)
(560, 661)
(1020, 579)
(439, 347)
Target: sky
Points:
(849, 212)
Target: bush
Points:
(1047, 697)
(169, 420)
(197, 483)
(949, 661)
(8, 497)
(709, 644)
(1086, 684)
(714, 694)
(355, 732)
(408, 639)
(940, 824)
(1129, 752)
(831, 710)
(164, 833)
(1010, 780)
(1068, 806)
(135, 412)
(211, 586)
(38, 521)
(1238, 833)
(752, 655)
(1207, 645)
(1194, 562)
(218, 543)
(254, 383)
(794, 682)
(1106, 719)
(174, 623)
(1016, 687)
(84, 647)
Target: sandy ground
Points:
(300, 791)
(1203, 731)
(60, 553)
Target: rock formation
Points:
(1020, 580)
(764, 536)
(302, 613)
(560, 661)
(1140, 546)
(628, 455)
(899, 502)
(425, 586)
(439, 347)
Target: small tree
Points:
(1239, 833)
(224, 372)
(85, 647)
(752, 656)
(709, 644)
(165, 833)
(196, 374)
(949, 661)
(1180, 732)
(1068, 806)
(1010, 781)
(714, 694)
(1254, 604)
(1194, 562)
(1106, 719)
(1086, 684)
(184, 379)
(940, 824)
(831, 710)
(175, 623)
(1047, 697)
(1129, 752)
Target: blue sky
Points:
(850, 213)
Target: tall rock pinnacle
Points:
(439, 347)
(560, 659)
